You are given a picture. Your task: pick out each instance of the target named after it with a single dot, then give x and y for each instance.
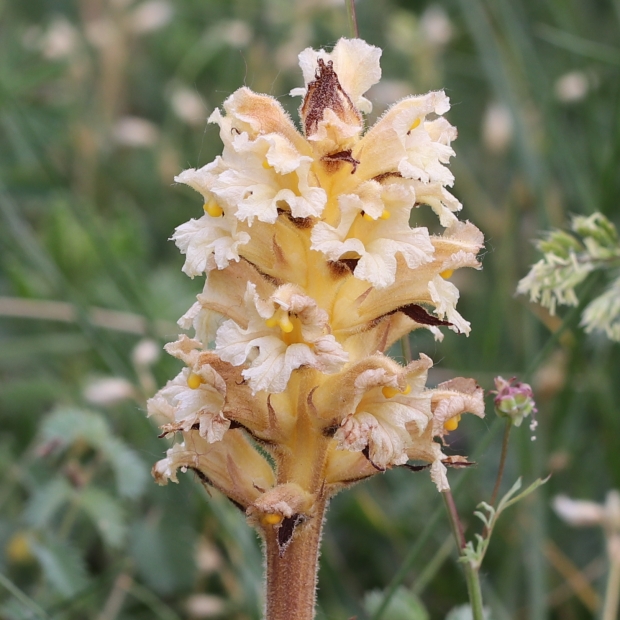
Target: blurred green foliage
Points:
(101, 104)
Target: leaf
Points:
(508, 500)
(67, 425)
(62, 565)
(46, 500)
(13, 610)
(163, 550)
(130, 470)
(106, 513)
(404, 605)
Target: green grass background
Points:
(84, 221)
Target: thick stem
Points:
(292, 574)
(474, 591)
(472, 578)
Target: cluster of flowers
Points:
(313, 271)
(568, 259)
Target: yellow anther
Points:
(194, 381)
(385, 215)
(267, 165)
(18, 548)
(285, 323)
(446, 274)
(368, 217)
(272, 322)
(272, 518)
(452, 424)
(415, 124)
(389, 392)
(212, 208)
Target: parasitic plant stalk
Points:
(312, 272)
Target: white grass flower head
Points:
(568, 258)
(603, 313)
(582, 513)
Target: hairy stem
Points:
(472, 578)
(292, 573)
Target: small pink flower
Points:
(514, 400)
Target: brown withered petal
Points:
(324, 93)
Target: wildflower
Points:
(513, 400)
(568, 258)
(312, 272)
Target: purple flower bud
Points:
(514, 400)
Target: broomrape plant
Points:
(312, 272)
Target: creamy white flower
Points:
(384, 417)
(203, 321)
(191, 407)
(373, 229)
(356, 64)
(195, 397)
(441, 201)
(445, 295)
(264, 175)
(209, 243)
(404, 141)
(313, 271)
(212, 241)
(230, 465)
(458, 246)
(439, 472)
(284, 333)
(452, 399)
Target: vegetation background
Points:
(102, 102)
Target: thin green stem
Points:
(428, 573)
(472, 577)
(406, 346)
(414, 551)
(502, 461)
(612, 592)
(475, 593)
(353, 29)
(23, 598)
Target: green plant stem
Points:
(428, 573)
(406, 346)
(502, 461)
(23, 598)
(414, 551)
(353, 29)
(612, 592)
(472, 578)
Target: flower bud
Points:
(513, 400)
